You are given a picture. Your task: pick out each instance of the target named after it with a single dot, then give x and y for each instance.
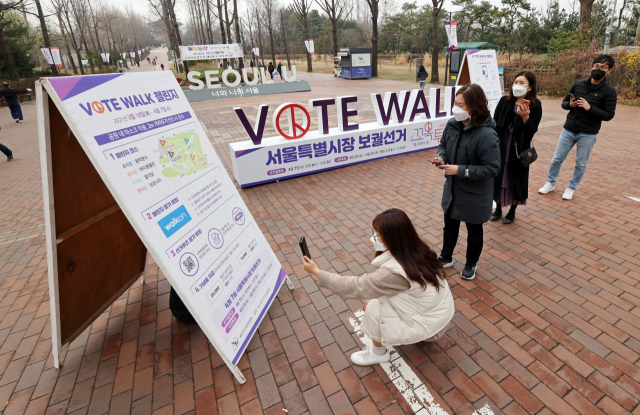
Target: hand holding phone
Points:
(304, 248)
(525, 103)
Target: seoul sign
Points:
(405, 123)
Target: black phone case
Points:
(304, 248)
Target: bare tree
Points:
(269, 5)
(437, 6)
(45, 32)
(300, 10)
(338, 11)
(284, 37)
(374, 9)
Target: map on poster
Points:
(143, 138)
(483, 70)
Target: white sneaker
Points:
(548, 187)
(568, 194)
(21, 121)
(366, 357)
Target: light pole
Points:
(609, 34)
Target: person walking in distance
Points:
(11, 95)
(517, 117)
(162, 66)
(469, 154)
(589, 102)
(422, 77)
(271, 69)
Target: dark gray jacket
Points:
(478, 158)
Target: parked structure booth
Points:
(458, 54)
(355, 63)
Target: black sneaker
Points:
(469, 272)
(9, 158)
(446, 263)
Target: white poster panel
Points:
(311, 47)
(104, 57)
(483, 70)
(146, 143)
(124, 55)
(47, 55)
(360, 59)
(133, 54)
(202, 52)
(108, 54)
(55, 54)
(279, 158)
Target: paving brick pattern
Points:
(550, 325)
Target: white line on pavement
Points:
(408, 383)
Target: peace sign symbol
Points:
(295, 130)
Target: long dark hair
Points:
(531, 95)
(418, 260)
(477, 103)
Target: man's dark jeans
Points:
(16, 110)
(5, 150)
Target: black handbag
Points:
(528, 156)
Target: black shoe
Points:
(507, 220)
(496, 215)
(10, 158)
(469, 272)
(446, 263)
(17, 120)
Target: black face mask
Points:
(598, 74)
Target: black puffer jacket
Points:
(478, 160)
(602, 98)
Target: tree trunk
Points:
(638, 33)
(585, 16)
(306, 35)
(284, 38)
(75, 45)
(172, 14)
(237, 27)
(374, 38)
(334, 35)
(84, 40)
(270, 29)
(260, 40)
(9, 63)
(45, 33)
(66, 43)
(223, 32)
(435, 77)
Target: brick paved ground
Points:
(550, 325)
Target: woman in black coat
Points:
(517, 118)
(469, 154)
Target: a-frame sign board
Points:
(126, 169)
(481, 67)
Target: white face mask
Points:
(460, 114)
(377, 245)
(519, 90)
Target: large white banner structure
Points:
(406, 123)
(150, 150)
(203, 52)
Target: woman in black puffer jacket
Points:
(469, 153)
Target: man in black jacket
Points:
(11, 95)
(589, 102)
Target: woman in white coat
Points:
(407, 298)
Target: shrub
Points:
(568, 67)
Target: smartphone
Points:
(572, 96)
(304, 248)
(526, 102)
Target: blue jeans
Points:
(567, 140)
(16, 111)
(5, 150)
(422, 85)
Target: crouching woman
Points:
(407, 298)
